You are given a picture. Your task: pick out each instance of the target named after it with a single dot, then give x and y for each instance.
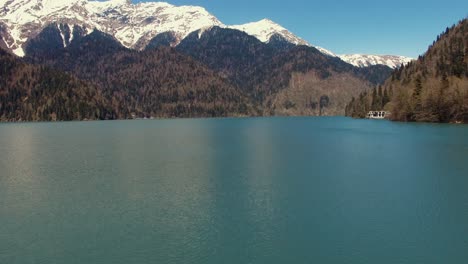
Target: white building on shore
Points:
(378, 115)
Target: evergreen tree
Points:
(385, 98)
(417, 98)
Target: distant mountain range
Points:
(391, 61)
(135, 25)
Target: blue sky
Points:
(400, 27)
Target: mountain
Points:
(304, 81)
(264, 29)
(231, 53)
(154, 83)
(433, 88)
(246, 73)
(159, 60)
(360, 60)
(136, 26)
(267, 71)
(36, 93)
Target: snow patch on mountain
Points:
(360, 60)
(134, 25)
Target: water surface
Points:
(272, 190)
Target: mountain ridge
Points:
(366, 60)
(134, 25)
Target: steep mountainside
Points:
(132, 24)
(304, 81)
(35, 93)
(3, 29)
(264, 70)
(158, 83)
(432, 89)
(232, 53)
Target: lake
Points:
(261, 190)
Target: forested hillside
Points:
(37, 93)
(432, 89)
(158, 82)
(281, 79)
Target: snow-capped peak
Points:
(265, 29)
(360, 60)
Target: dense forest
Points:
(37, 93)
(154, 83)
(111, 82)
(432, 89)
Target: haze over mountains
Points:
(134, 25)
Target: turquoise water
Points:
(273, 190)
